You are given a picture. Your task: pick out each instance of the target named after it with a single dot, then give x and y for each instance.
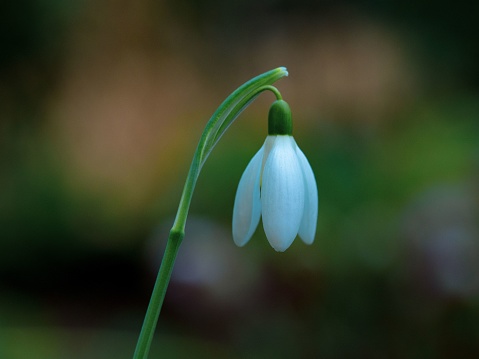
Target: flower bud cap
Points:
(279, 119)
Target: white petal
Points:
(282, 194)
(267, 147)
(247, 207)
(307, 229)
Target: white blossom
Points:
(278, 184)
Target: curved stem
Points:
(216, 126)
(213, 132)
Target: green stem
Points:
(216, 126)
(158, 295)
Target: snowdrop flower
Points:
(278, 184)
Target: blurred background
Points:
(101, 107)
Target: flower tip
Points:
(239, 242)
(279, 248)
(240, 238)
(308, 241)
(283, 70)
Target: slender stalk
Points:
(216, 126)
(158, 295)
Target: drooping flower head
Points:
(278, 184)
